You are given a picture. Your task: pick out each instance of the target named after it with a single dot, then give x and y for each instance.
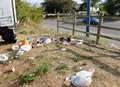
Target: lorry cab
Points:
(8, 20)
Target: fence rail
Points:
(73, 22)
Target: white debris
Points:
(3, 57)
(112, 45)
(66, 43)
(26, 48)
(13, 69)
(19, 53)
(23, 49)
(44, 40)
(82, 78)
(79, 42)
(15, 47)
(63, 49)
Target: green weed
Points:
(62, 67)
(27, 78)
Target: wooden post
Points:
(99, 29)
(74, 24)
(58, 17)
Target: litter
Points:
(19, 53)
(3, 57)
(13, 69)
(67, 82)
(31, 58)
(65, 41)
(81, 79)
(112, 45)
(23, 49)
(26, 48)
(79, 42)
(44, 40)
(63, 49)
(23, 40)
(15, 47)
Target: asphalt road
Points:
(52, 24)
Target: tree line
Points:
(52, 6)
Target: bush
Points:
(27, 12)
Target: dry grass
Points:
(107, 64)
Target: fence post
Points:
(74, 24)
(99, 29)
(58, 17)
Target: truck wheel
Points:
(9, 36)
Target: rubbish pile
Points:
(22, 45)
(3, 57)
(26, 43)
(41, 41)
(80, 79)
(69, 41)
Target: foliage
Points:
(27, 78)
(62, 67)
(112, 6)
(83, 7)
(27, 12)
(41, 70)
(52, 6)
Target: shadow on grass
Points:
(79, 57)
(95, 61)
(4, 43)
(101, 48)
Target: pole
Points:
(74, 24)
(99, 29)
(57, 22)
(88, 17)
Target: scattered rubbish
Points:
(67, 82)
(31, 58)
(76, 42)
(23, 40)
(63, 49)
(15, 47)
(79, 42)
(13, 69)
(3, 57)
(112, 45)
(23, 49)
(44, 40)
(65, 41)
(10, 70)
(26, 48)
(19, 53)
(41, 41)
(80, 79)
(10, 61)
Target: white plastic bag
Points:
(26, 48)
(3, 57)
(83, 78)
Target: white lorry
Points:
(8, 20)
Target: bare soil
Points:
(105, 61)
